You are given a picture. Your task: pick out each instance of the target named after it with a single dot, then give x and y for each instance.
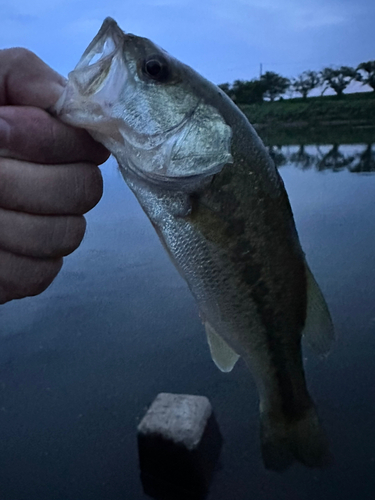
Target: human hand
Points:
(48, 177)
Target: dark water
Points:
(80, 364)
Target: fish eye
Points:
(156, 68)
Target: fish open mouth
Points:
(93, 67)
(103, 46)
(96, 80)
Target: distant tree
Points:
(305, 82)
(244, 91)
(248, 91)
(338, 79)
(275, 85)
(227, 88)
(368, 78)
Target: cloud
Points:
(165, 3)
(308, 17)
(223, 40)
(86, 27)
(34, 8)
(21, 18)
(275, 16)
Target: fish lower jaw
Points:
(162, 181)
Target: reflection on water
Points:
(80, 363)
(356, 158)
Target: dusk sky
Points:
(224, 40)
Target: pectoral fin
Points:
(223, 356)
(318, 331)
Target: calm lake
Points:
(80, 364)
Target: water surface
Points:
(80, 363)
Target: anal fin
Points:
(223, 356)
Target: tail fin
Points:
(302, 439)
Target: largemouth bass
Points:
(218, 204)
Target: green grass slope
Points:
(352, 109)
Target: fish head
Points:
(150, 110)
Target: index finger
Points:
(26, 80)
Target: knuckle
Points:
(40, 236)
(88, 186)
(22, 276)
(94, 187)
(48, 270)
(71, 235)
(20, 55)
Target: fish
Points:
(219, 206)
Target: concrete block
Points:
(179, 444)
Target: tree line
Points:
(271, 85)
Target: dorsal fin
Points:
(318, 331)
(223, 356)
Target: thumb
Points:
(25, 80)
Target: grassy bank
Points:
(357, 109)
(339, 134)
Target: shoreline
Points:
(304, 133)
(352, 112)
(357, 124)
